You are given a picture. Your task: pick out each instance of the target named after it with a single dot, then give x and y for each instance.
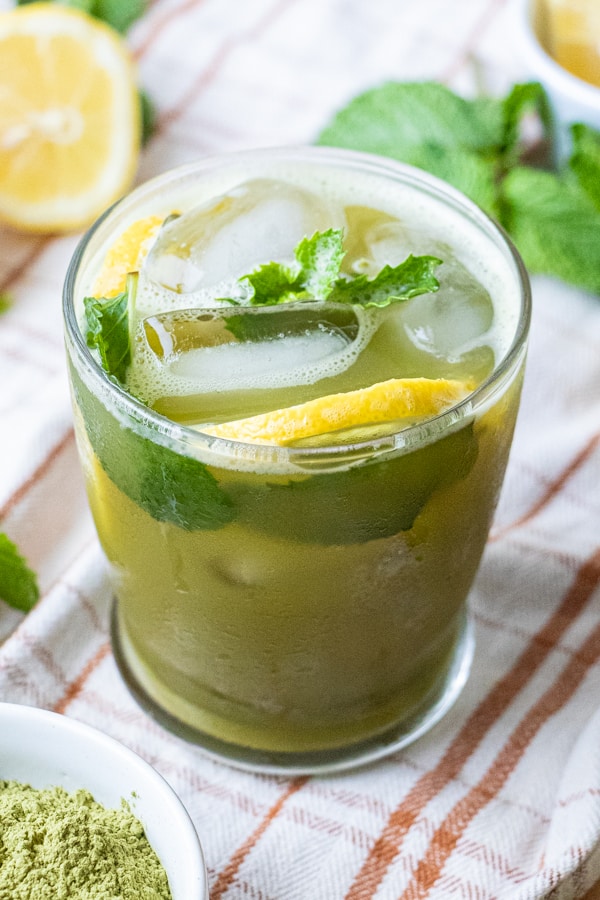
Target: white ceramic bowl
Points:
(571, 98)
(45, 749)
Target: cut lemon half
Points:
(398, 398)
(573, 33)
(126, 255)
(69, 117)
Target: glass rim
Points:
(404, 438)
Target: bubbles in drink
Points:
(259, 221)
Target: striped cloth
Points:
(502, 798)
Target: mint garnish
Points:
(315, 275)
(5, 302)
(18, 583)
(478, 146)
(108, 329)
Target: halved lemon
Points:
(126, 255)
(386, 401)
(69, 117)
(573, 34)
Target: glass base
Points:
(310, 762)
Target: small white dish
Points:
(45, 749)
(571, 99)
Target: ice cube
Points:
(453, 321)
(240, 348)
(257, 222)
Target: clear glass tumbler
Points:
(303, 608)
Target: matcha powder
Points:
(56, 845)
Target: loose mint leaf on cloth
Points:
(522, 99)
(585, 160)
(121, 14)
(18, 583)
(474, 175)
(108, 329)
(397, 118)
(555, 225)
(393, 284)
(467, 143)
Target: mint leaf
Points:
(18, 583)
(585, 160)
(5, 302)
(398, 118)
(320, 258)
(468, 143)
(108, 329)
(318, 261)
(364, 503)
(169, 486)
(120, 14)
(464, 169)
(555, 224)
(273, 283)
(522, 99)
(411, 278)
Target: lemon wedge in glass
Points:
(387, 401)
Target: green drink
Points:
(294, 492)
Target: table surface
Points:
(502, 798)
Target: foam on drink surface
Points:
(406, 221)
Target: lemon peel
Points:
(126, 255)
(386, 401)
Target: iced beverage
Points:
(295, 377)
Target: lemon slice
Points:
(573, 30)
(386, 401)
(69, 117)
(126, 255)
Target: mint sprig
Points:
(479, 147)
(18, 583)
(316, 275)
